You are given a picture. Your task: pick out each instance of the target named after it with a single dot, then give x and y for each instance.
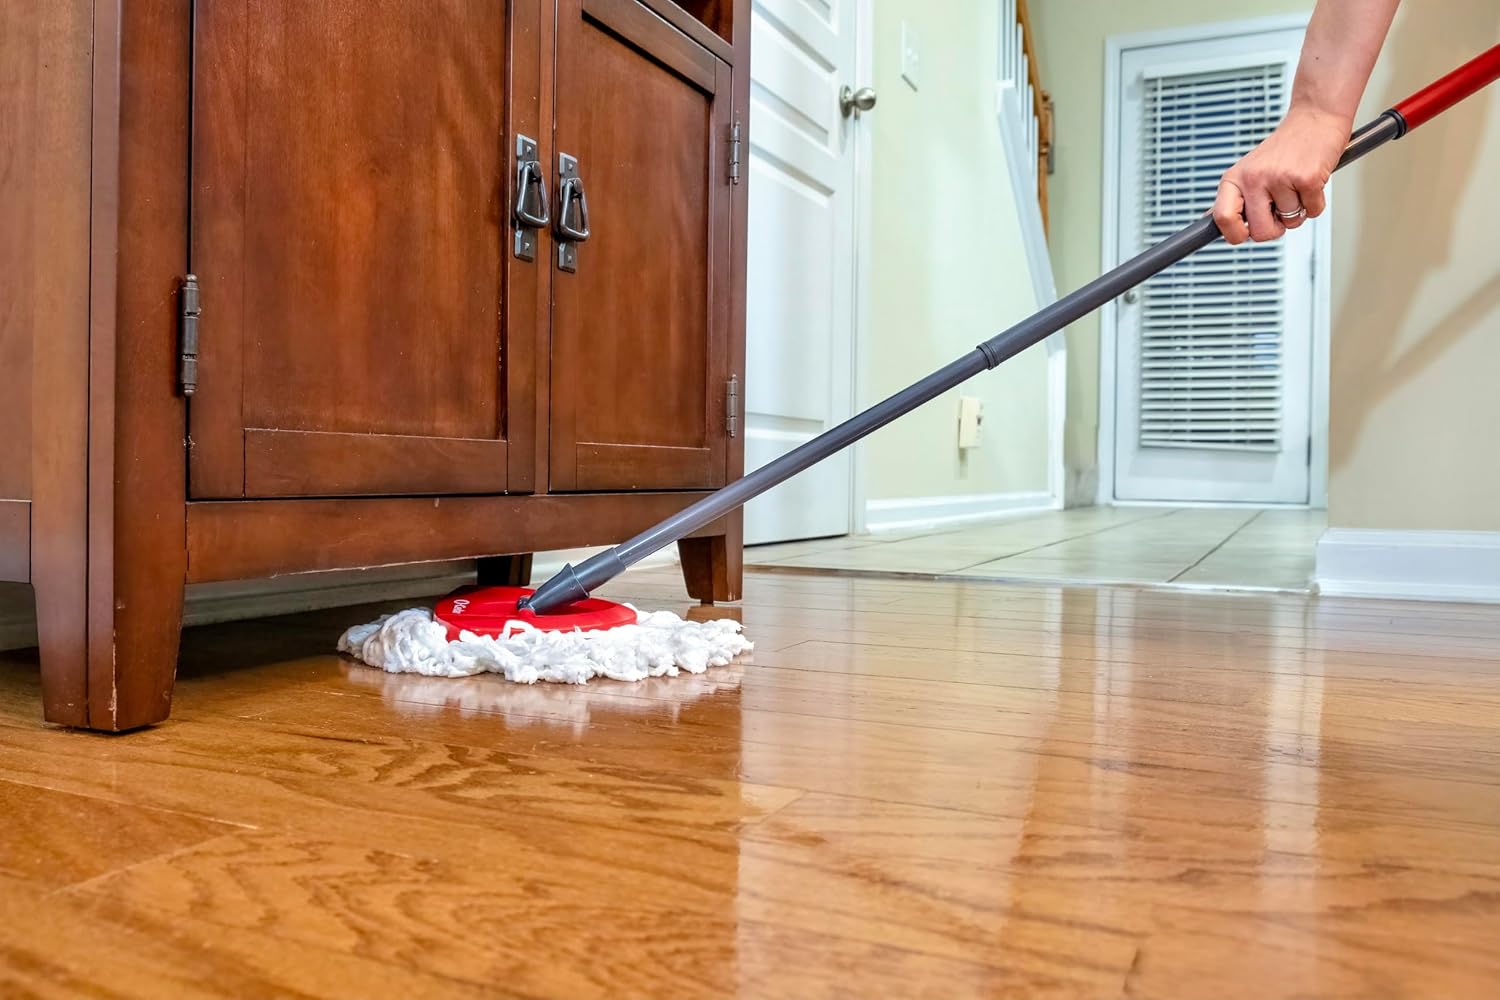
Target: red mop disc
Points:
(487, 610)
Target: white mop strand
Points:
(658, 644)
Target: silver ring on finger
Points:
(1297, 213)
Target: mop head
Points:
(658, 644)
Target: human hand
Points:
(1279, 184)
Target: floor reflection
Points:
(557, 705)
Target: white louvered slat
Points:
(1210, 367)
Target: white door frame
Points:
(1114, 48)
(864, 71)
(1038, 254)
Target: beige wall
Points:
(1416, 267)
(1414, 429)
(947, 268)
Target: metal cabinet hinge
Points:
(736, 144)
(732, 406)
(191, 307)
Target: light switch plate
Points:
(911, 55)
(970, 420)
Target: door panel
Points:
(800, 337)
(1213, 370)
(352, 177)
(640, 329)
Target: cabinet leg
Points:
(62, 637)
(131, 678)
(102, 670)
(714, 567)
(505, 571)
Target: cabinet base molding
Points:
(238, 540)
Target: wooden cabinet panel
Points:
(44, 225)
(365, 327)
(640, 332)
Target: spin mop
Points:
(559, 633)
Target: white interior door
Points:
(1213, 357)
(799, 341)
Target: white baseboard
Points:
(1418, 565)
(210, 603)
(909, 513)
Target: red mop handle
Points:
(1434, 99)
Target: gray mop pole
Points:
(574, 584)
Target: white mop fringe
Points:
(659, 645)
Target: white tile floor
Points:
(1231, 548)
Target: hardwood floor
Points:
(911, 790)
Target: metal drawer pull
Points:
(532, 212)
(572, 212)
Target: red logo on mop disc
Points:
(488, 610)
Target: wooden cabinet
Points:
(390, 365)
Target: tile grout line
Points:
(1060, 541)
(1227, 539)
(876, 543)
(1032, 582)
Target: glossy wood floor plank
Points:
(971, 717)
(1272, 897)
(1136, 612)
(1046, 637)
(1394, 947)
(772, 747)
(101, 836)
(514, 856)
(927, 790)
(89, 945)
(968, 600)
(1398, 675)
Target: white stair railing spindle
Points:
(1018, 48)
(1014, 71)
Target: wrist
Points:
(1311, 107)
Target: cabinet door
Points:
(366, 328)
(640, 328)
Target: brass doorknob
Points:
(855, 102)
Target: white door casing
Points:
(802, 239)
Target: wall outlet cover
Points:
(970, 421)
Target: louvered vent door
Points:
(1213, 356)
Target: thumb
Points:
(1229, 212)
